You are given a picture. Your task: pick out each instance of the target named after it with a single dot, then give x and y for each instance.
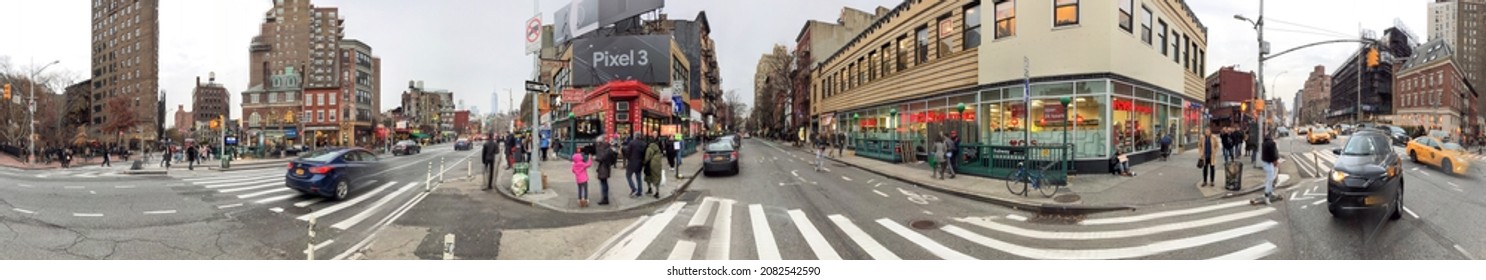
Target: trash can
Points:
(1234, 178)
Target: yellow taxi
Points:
(1450, 157)
(1319, 135)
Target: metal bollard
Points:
(443, 168)
(469, 169)
(309, 249)
(428, 179)
(449, 246)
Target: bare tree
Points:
(772, 92)
(121, 118)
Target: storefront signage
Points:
(644, 58)
(588, 108)
(1054, 112)
(1129, 106)
(573, 96)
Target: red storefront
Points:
(623, 108)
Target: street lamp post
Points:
(1259, 26)
(892, 120)
(857, 119)
(31, 114)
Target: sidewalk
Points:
(560, 193)
(1155, 183)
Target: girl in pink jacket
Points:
(580, 171)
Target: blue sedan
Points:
(331, 172)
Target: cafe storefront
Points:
(1102, 118)
(621, 108)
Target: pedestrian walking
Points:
(840, 144)
(580, 172)
(605, 158)
(937, 158)
(655, 164)
(191, 157)
(1165, 146)
(954, 153)
(488, 155)
(1271, 157)
(545, 144)
(1227, 140)
(1210, 146)
(634, 153)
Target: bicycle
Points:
(1022, 178)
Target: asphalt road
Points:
(243, 214)
(779, 207)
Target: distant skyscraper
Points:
(125, 55)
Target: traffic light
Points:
(215, 124)
(7, 91)
(1372, 57)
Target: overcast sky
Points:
(475, 48)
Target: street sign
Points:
(534, 34)
(537, 87)
(573, 96)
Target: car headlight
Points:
(1338, 176)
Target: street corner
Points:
(563, 243)
(395, 242)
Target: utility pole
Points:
(1263, 50)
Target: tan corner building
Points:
(1132, 70)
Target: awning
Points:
(420, 136)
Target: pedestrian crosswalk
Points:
(708, 230)
(1317, 163)
(265, 189)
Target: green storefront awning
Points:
(420, 135)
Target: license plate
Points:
(1372, 200)
(299, 172)
(717, 158)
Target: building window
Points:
(921, 50)
(332, 115)
(972, 26)
(887, 53)
(1127, 15)
(902, 53)
(1176, 46)
(332, 98)
(1145, 24)
(308, 115)
(1005, 19)
(1065, 12)
(1162, 25)
(871, 60)
(946, 29)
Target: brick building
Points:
(125, 54)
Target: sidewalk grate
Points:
(923, 224)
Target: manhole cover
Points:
(923, 224)
(697, 232)
(1066, 198)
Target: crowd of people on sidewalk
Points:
(643, 158)
(1233, 144)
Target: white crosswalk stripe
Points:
(707, 230)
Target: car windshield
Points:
(720, 146)
(323, 155)
(405, 143)
(1365, 146)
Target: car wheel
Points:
(341, 188)
(1397, 204)
(1413, 156)
(1449, 168)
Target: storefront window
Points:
(1132, 124)
(1088, 135)
(1191, 123)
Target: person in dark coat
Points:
(488, 155)
(606, 159)
(1271, 157)
(634, 153)
(191, 154)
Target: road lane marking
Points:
(1158, 215)
(243, 183)
(1293, 195)
(923, 241)
(229, 179)
(635, 243)
(322, 244)
(308, 202)
(848, 179)
(276, 198)
(795, 172)
(1452, 184)
(763, 238)
(268, 185)
(276, 210)
(256, 194)
(229, 206)
(1111, 253)
(1411, 212)
(123, 187)
(1318, 202)
(990, 224)
(621, 233)
(26, 186)
(862, 239)
(720, 242)
(1016, 217)
(877, 185)
(370, 210)
(73, 187)
(869, 181)
(92, 192)
(87, 215)
(1464, 252)
(703, 211)
(345, 204)
(23, 210)
(1251, 253)
(818, 243)
(683, 251)
(880, 193)
(158, 212)
(826, 169)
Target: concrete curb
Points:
(679, 190)
(144, 172)
(1046, 208)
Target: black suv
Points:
(1367, 175)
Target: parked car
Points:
(721, 156)
(1367, 175)
(1282, 131)
(331, 172)
(1448, 157)
(406, 147)
(1400, 137)
(462, 144)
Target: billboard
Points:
(644, 58)
(561, 28)
(584, 16)
(611, 11)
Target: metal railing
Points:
(997, 161)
